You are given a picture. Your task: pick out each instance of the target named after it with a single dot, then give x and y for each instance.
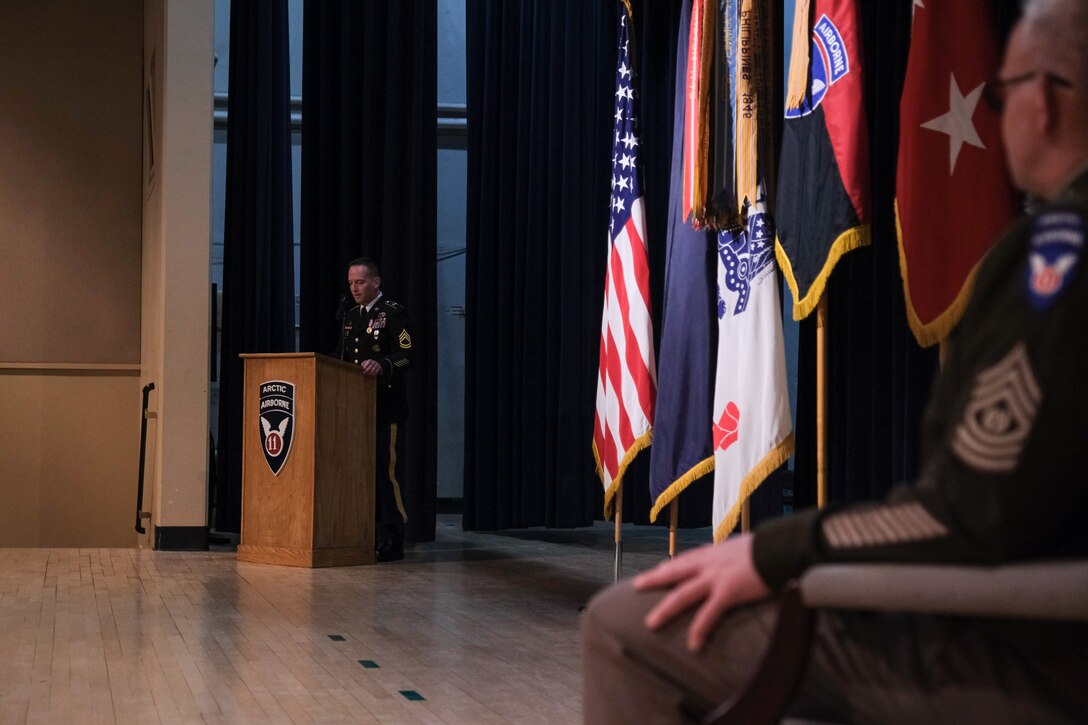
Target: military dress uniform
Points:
(381, 333)
(1002, 479)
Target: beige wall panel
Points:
(70, 246)
(70, 454)
(70, 150)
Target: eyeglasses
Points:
(997, 89)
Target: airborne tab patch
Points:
(999, 414)
(1057, 238)
(830, 64)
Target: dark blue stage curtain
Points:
(369, 114)
(541, 84)
(878, 377)
(540, 80)
(258, 256)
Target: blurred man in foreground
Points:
(1002, 480)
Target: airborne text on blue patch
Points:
(829, 62)
(1057, 238)
(829, 35)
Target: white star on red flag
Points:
(957, 122)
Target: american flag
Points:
(626, 382)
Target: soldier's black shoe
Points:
(390, 543)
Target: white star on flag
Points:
(625, 72)
(629, 140)
(626, 161)
(622, 183)
(957, 122)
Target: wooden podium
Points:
(307, 462)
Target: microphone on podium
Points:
(343, 307)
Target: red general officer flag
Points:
(953, 195)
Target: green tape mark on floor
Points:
(411, 695)
(369, 664)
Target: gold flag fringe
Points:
(643, 441)
(775, 458)
(930, 333)
(675, 488)
(849, 240)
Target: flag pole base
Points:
(617, 564)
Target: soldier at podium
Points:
(375, 337)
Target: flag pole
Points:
(821, 401)
(746, 516)
(617, 565)
(674, 517)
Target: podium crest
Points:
(277, 416)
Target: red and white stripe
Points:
(627, 379)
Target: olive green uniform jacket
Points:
(1004, 439)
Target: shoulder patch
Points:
(999, 415)
(1057, 238)
(405, 340)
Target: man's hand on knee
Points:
(714, 578)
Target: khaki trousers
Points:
(864, 667)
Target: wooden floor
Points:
(473, 628)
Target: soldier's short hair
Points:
(370, 264)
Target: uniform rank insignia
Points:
(881, 526)
(1057, 238)
(277, 416)
(405, 339)
(999, 414)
